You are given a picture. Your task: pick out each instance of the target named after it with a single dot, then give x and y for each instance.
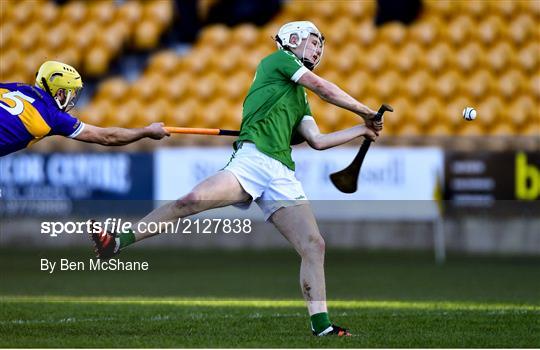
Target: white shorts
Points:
(270, 183)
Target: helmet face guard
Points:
(302, 30)
(72, 96)
(307, 63)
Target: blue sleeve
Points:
(63, 124)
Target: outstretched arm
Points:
(120, 136)
(309, 129)
(331, 93)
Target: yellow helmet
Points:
(53, 76)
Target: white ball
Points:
(469, 113)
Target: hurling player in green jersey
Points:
(276, 113)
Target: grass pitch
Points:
(252, 299)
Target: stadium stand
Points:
(87, 35)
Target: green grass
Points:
(252, 299)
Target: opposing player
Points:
(29, 113)
(276, 112)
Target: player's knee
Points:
(191, 200)
(315, 247)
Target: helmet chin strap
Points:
(305, 61)
(63, 106)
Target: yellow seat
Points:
(365, 34)
(439, 129)
(166, 62)
(452, 112)
(439, 58)
(74, 12)
(387, 85)
(115, 89)
(449, 84)
(145, 87)
(409, 130)
(427, 32)
(417, 85)
(21, 12)
(130, 12)
(532, 129)
(250, 62)
(47, 14)
(197, 61)
(156, 111)
(480, 84)
(112, 39)
(216, 36)
(507, 9)
(523, 111)
(70, 55)
(427, 112)
(9, 59)
(345, 60)
(176, 88)
(470, 129)
(393, 33)
(206, 87)
(183, 113)
(534, 86)
(358, 84)
(490, 30)
(236, 87)
(403, 113)
(411, 56)
(340, 31)
(245, 35)
(96, 61)
(377, 59)
(126, 114)
(323, 10)
(357, 10)
(159, 11)
(502, 129)
(442, 8)
(530, 6)
(469, 57)
(500, 57)
(474, 8)
(213, 113)
(489, 112)
(147, 34)
(84, 35)
(528, 58)
(521, 29)
(28, 38)
(227, 61)
(460, 30)
(103, 11)
(7, 38)
(511, 83)
(96, 112)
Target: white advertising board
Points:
(388, 174)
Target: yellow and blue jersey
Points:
(28, 114)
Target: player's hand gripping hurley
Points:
(346, 180)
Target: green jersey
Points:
(275, 106)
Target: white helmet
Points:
(302, 29)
